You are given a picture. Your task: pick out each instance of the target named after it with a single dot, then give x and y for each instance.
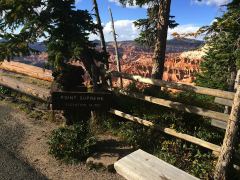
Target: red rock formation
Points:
(179, 67)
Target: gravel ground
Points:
(24, 151)
(15, 168)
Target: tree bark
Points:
(100, 28)
(116, 48)
(225, 160)
(160, 46)
(106, 83)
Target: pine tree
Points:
(66, 32)
(15, 15)
(223, 55)
(154, 30)
(65, 29)
(218, 69)
(227, 44)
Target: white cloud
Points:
(213, 21)
(126, 30)
(127, 5)
(183, 29)
(78, 1)
(212, 2)
(203, 2)
(115, 1)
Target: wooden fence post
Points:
(225, 160)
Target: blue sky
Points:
(188, 13)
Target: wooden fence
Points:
(223, 97)
(44, 94)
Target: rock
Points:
(10, 99)
(36, 160)
(103, 161)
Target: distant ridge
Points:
(173, 45)
(38, 46)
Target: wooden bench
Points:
(140, 165)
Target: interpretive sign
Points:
(81, 100)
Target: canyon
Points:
(183, 58)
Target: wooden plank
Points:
(222, 101)
(140, 165)
(25, 88)
(179, 86)
(179, 106)
(225, 102)
(219, 124)
(168, 131)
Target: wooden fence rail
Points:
(179, 106)
(179, 86)
(225, 102)
(168, 131)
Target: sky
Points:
(189, 14)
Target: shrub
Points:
(4, 90)
(72, 143)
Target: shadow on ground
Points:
(11, 135)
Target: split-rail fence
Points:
(224, 97)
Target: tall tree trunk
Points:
(160, 46)
(225, 160)
(106, 83)
(100, 28)
(116, 47)
(95, 115)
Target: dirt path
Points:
(10, 164)
(24, 151)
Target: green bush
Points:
(138, 135)
(72, 143)
(4, 90)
